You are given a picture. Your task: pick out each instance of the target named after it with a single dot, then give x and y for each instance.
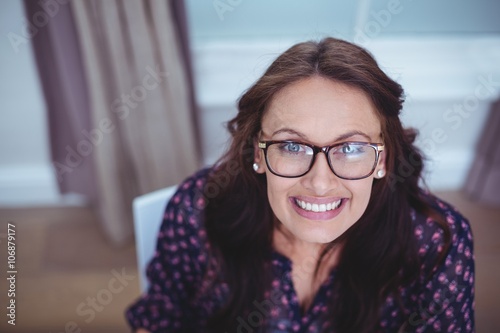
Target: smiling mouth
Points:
(318, 208)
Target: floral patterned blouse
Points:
(177, 300)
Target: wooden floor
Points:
(63, 263)
(67, 273)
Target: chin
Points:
(320, 236)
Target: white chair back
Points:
(148, 210)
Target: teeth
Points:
(318, 208)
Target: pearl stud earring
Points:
(255, 167)
(380, 173)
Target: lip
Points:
(328, 215)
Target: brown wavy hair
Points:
(378, 253)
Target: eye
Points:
(351, 149)
(292, 148)
(348, 149)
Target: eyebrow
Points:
(339, 138)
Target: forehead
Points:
(322, 110)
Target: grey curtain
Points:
(121, 110)
(58, 57)
(483, 181)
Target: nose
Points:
(320, 179)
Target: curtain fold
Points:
(483, 181)
(137, 104)
(58, 58)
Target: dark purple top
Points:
(178, 299)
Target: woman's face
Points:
(321, 112)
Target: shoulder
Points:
(452, 234)
(428, 229)
(443, 296)
(190, 194)
(459, 225)
(181, 261)
(182, 228)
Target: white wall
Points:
(300, 19)
(26, 176)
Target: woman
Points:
(313, 221)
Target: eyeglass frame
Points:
(379, 147)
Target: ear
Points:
(259, 158)
(381, 166)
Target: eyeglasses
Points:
(347, 160)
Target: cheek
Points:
(361, 194)
(278, 189)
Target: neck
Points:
(307, 274)
(298, 250)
